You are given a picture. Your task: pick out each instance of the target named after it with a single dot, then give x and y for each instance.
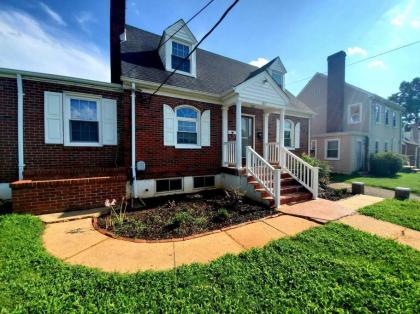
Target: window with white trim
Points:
(385, 146)
(377, 110)
(355, 113)
(332, 149)
(84, 120)
(187, 125)
(289, 133)
(179, 52)
(312, 149)
(376, 146)
(204, 182)
(394, 119)
(278, 77)
(386, 117)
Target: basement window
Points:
(204, 182)
(168, 185)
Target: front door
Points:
(359, 156)
(247, 134)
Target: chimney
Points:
(335, 91)
(117, 28)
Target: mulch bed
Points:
(333, 194)
(185, 215)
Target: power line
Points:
(196, 46)
(365, 59)
(186, 23)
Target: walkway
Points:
(77, 242)
(373, 191)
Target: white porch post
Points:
(265, 151)
(281, 137)
(224, 135)
(238, 134)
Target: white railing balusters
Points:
(265, 174)
(230, 148)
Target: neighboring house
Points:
(71, 143)
(350, 123)
(411, 145)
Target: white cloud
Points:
(52, 14)
(399, 14)
(354, 51)
(259, 62)
(85, 18)
(415, 24)
(25, 45)
(376, 64)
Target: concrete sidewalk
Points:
(77, 242)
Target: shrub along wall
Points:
(52, 196)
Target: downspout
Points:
(133, 139)
(21, 164)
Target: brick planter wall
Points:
(52, 196)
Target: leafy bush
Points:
(386, 164)
(234, 198)
(324, 169)
(181, 218)
(222, 214)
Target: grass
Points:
(408, 180)
(403, 213)
(327, 269)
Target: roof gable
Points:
(182, 32)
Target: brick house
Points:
(70, 143)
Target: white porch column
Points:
(265, 150)
(224, 135)
(281, 136)
(238, 134)
(281, 131)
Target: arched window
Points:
(187, 125)
(289, 130)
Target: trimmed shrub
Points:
(324, 169)
(386, 164)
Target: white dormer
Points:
(277, 71)
(177, 48)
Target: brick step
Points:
(295, 197)
(290, 189)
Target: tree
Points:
(409, 98)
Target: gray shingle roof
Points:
(216, 74)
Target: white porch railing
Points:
(230, 151)
(265, 174)
(300, 170)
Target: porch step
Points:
(289, 198)
(290, 189)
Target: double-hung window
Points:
(386, 147)
(376, 147)
(394, 119)
(187, 126)
(288, 133)
(84, 121)
(386, 116)
(278, 77)
(355, 113)
(312, 149)
(332, 149)
(377, 114)
(179, 52)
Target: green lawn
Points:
(333, 268)
(403, 213)
(408, 180)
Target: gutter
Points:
(21, 164)
(133, 139)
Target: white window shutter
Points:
(109, 122)
(297, 135)
(53, 118)
(168, 126)
(205, 128)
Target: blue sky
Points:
(72, 37)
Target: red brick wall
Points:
(165, 161)
(52, 196)
(39, 156)
(8, 130)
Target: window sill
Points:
(187, 146)
(326, 158)
(82, 144)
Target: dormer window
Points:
(278, 77)
(179, 52)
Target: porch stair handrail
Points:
(266, 175)
(300, 170)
